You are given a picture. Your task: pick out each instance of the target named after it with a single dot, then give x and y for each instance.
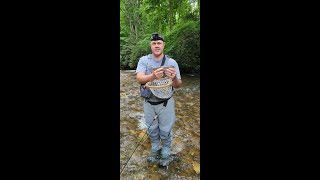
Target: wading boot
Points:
(154, 156)
(165, 160)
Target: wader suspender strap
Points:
(163, 60)
(165, 101)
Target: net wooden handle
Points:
(163, 86)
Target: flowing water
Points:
(186, 132)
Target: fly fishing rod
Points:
(138, 144)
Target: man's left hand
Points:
(171, 73)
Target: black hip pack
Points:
(145, 92)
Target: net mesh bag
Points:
(161, 88)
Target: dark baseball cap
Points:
(156, 36)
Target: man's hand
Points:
(158, 73)
(171, 73)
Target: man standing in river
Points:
(159, 113)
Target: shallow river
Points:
(186, 132)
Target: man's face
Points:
(157, 47)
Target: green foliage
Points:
(185, 46)
(177, 20)
(142, 48)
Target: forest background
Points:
(177, 20)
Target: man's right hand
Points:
(158, 73)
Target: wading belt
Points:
(156, 103)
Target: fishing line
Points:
(138, 144)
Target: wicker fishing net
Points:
(161, 88)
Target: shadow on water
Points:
(186, 132)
